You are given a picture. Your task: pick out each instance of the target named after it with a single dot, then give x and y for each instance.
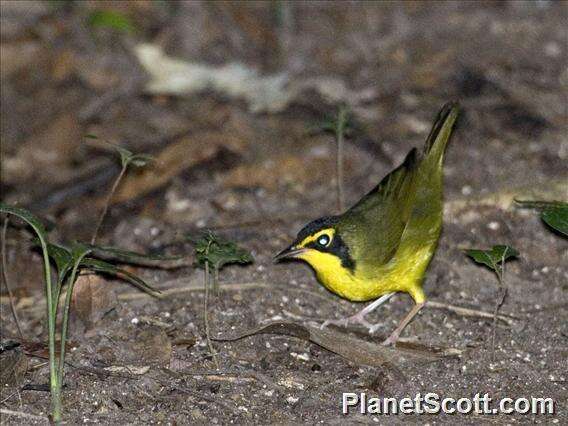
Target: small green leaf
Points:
(127, 157)
(26, 216)
(553, 213)
(219, 252)
(340, 124)
(493, 258)
(111, 19)
(101, 266)
(79, 251)
(140, 160)
(557, 218)
(41, 233)
(63, 259)
(89, 136)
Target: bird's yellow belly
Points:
(403, 273)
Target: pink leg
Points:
(359, 317)
(396, 333)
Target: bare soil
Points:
(256, 178)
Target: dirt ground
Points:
(252, 165)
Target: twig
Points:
(467, 312)
(107, 202)
(5, 278)
(340, 136)
(16, 392)
(99, 372)
(495, 314)
(499, 272)
(23, 415)
(206, 316)
(216, 281)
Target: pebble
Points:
(494, 226)
(466, 190)
(292, 399)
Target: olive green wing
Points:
(373, 228)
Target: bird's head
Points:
(320, 244)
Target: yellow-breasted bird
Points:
(384, 243)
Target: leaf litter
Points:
(355, 350)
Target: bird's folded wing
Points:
(376, 223)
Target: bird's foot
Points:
(391, 340)
(356, 319)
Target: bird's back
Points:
(396, 226)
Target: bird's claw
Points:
(392, 339)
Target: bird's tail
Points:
(439, 136)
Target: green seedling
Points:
(217, 252)
(111, 19)
(495, 260)
(553, 213)
(213, 253)
(127, 159)
(340, 126)
(69, 263)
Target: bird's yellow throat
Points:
(404, 274)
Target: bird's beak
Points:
(289, 253)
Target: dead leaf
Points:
(46, 156)
(150, 346)
(40, 349)
(92, 297)
(175, 158)
(262, 93)
(129, 369)
(353, 349)
(14, 365)
(14, 57)
(277, 172)
(63, 65)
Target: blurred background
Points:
(234, 100)
(231, 98)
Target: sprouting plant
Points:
(217, 252)
(127, 158)
(213, 253)
(111, 19)
(553, 213)
(339, 126)
(495, 260)
(69, 263)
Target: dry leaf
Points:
(46, 156)
(172, 160)
(148, 347)
(355, 350)
(129, 369)
(273, 173)
(14, 366)
(262, 93)
(92, 298)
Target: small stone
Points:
(494, 226)
(292, 399)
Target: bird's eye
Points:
(324, 240)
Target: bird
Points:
(384, 243)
